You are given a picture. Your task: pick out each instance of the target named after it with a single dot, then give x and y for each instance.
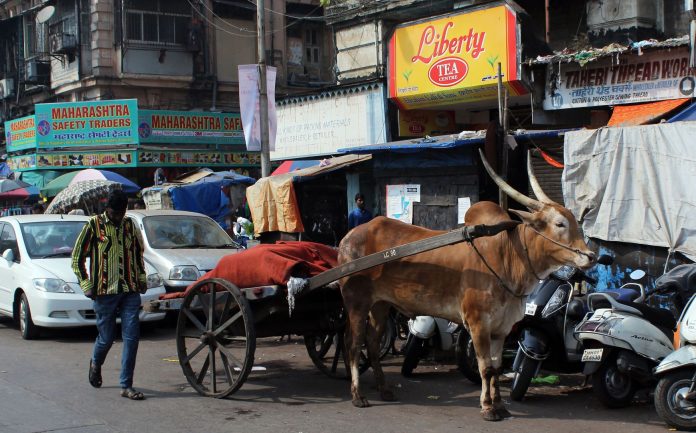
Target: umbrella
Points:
(83, 193)
(288, 166)
(59, 183)
(11, 189)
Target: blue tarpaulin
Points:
(689, 113)
(205, 195)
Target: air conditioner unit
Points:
(62, 43)
(37, 72)
(7, 89)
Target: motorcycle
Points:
(675, 394)
(623, 342)
(546, 332)
(426, 334)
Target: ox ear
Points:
(527, 218)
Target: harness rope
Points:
(526, 251)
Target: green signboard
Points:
(20, 134)
(158, 126)
(202, 158)
(94, 123)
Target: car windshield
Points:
(184, 231)
(51, 238)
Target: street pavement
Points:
(44, 388)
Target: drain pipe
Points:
(548, 26)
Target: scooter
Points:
(552, 310)
(675, 394)
(623, 342)
(426, 334)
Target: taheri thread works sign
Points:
(158, 126)
(20, 134)
(653, 76)
(93, 123)
(454, 59)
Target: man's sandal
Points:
(132, 394)
(95, 378)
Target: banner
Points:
(249, 106)
(455, 58)
(419, 123)
(158, 126)
(400, 199)
(99, 159)
(652, 76)
(212, 158)
(94, 123)
(21, 134)
(22, 162)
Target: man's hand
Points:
(89, 293)
(142, 287)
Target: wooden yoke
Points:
(466, 233)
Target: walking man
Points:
(115, 281)
(359, 215)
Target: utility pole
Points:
(263, 90)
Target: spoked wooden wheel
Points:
(215, 338)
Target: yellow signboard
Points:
(454, 59)
(419, 123)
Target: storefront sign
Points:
(320, 126)
(20, 134)
(22, 162)
(94, 123)
(157, 126)
(72, 160)
(419, 123)
(170, 158)
(653, 76)
(454, 59)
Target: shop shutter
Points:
(549, 177)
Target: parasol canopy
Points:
(61, 182)
(84, 194)
(11, 189)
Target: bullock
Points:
(481, 284)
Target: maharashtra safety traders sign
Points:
(93, 123)
(454, 59)
(653, 76)
(20, 134)
(157, 126)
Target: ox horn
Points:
(510, 191)
(536, 187)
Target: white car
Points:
(181, 245)
(37, 285)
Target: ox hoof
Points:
(387, 395)
(361, 402)
(503, 412)
(491, 414)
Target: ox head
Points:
(563, 243)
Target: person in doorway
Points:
(115, 281)
(359, 215)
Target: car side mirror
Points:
(8, 255)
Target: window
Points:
(8, 241)
(311, 46)
(159, 22)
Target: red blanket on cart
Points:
(271, 264)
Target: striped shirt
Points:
(115, 257)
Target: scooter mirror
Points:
(605, 259)
(637, 274)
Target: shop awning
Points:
(447, 141)
(641, 114)
(688, 113)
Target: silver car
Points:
(181, 245)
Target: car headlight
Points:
(154, 280)
(187, 273)
(53, 285)
(564, 272)
(557, 301)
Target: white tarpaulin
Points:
(634, 184)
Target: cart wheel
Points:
(215, 338)
(327, 352)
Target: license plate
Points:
(530, 309)
(592, 355)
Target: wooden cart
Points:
(219, 323)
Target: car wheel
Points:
(27, 329)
